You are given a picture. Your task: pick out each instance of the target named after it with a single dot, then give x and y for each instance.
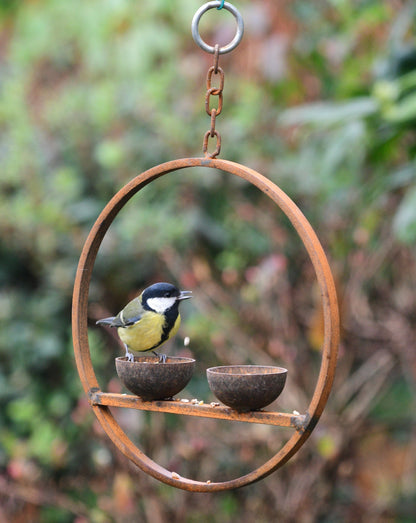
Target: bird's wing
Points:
(131, 313)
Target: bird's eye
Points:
(167, 294)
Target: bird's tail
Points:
(107, 321)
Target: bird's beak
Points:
(184, 295)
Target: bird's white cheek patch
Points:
(160, 304)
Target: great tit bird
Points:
(150, 319)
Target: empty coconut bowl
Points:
(246, 387)
(151, 380)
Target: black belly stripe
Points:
(171, 316)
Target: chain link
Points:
(213, 112)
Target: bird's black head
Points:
(161, 297)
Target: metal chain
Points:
(214, 70)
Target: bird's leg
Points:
(162, 357)
(129, 355)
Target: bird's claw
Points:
(129, 355)
(162, 357)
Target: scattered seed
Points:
(296, 413)
(208, 481)
(185, 400)
(214, 404)
(201, 403)
(175, 475)
(194, 401)
(186, 341)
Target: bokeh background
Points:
(321, 98)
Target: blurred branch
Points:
(38, 496)
(366, 377)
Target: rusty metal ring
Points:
(330, 315)
(212, 70)
(210, 134)
(238, 35)
(214, 92)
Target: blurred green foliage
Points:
(321, 98)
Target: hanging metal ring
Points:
(214, 5)
(330, 317)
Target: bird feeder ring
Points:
(101, 401)
(238, 35)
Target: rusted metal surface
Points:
(214, 91)
(217, 147)
(187, 407)
(152, 380)
(246, 387)
(330, 315)
(214, 70)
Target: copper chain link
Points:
(214, 70)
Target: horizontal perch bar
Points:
(204, 410)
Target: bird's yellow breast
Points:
(147, 333)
